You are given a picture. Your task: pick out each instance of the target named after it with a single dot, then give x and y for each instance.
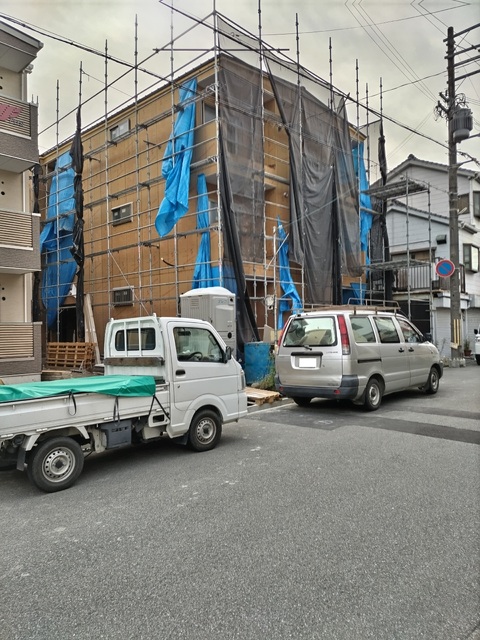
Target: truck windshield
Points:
(196, 345)
(311, 332)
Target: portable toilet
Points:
(217, 306)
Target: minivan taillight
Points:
(344, 336)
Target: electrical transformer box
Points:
(217, 306)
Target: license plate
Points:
(307, 363)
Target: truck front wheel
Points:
(205, 431)
(55, 464)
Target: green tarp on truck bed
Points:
(127, 386)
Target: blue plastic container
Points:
(258, 361)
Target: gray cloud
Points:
(401, 47)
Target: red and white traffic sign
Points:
(444, 268)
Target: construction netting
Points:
(324, 226)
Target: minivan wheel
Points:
(433, 381)
(302, 402)
(373, 395)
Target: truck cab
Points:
(187, 356)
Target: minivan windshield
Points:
(311, 332)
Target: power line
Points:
(397, 55)
(290, 33)
(160, 77)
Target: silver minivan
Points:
(359, 353)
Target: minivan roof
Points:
(352, 310)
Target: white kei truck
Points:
(163, 377)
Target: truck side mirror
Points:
(228, 354)
(475, 331)
(428, 337)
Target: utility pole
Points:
(455, 311)
(460, 123)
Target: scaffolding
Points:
(131, 270)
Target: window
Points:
(362, 329)
(476, 204)
(233, 143)
(212, 212)
(463, 204)
(146, 340)
(196, 345)
(409, 332)
(311, 332)
(122, 297)
(386, 330)
(121, 214)
(470, 257)
(120, 130)
(208, 111)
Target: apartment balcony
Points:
(423, 278)
(18, 135)
(19, 233)
(20, 350)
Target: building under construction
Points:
(242, 172)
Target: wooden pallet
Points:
(261, 396)
(63, 374)
(70, 355)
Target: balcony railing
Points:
(15, 116)
(16, 229)
(18, 134)
(20, 351)
(16, 340)
(423, 278)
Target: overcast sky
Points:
(398, 41)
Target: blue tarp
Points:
(56, 239)
(176, 162)
(286, 281)
(366, 217)
(203, 276)
(355, 294)
(125, 386)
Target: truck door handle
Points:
(401, 350)
(180, 372)
(411, 349)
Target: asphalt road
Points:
(319, 523)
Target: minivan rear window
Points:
(362, 330)
(311, 332)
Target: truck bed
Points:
(79, 402)
(117, 385)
